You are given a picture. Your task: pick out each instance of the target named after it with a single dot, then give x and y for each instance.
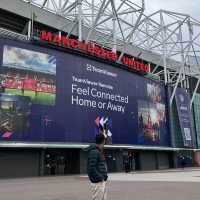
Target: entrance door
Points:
(61, 162)
(111, 161)
(131, 160)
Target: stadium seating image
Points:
(29, 73)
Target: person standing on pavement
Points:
(97, 169)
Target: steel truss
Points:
(114, 24)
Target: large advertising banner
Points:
(185, 117)
(53, 96)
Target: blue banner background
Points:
(185, 117)
(144, 120)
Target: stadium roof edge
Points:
(82, 146)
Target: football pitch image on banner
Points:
(29, 73)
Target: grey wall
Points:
(148, 160)
(19, 163)
(152, 160)
(162, 160)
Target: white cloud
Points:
(27, 59)
(190, 7)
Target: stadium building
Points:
(70, 70)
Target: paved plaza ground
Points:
(158, 185)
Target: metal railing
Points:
(10, 34)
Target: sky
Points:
(191, 7)
(27, 59)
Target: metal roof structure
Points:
(163, 38)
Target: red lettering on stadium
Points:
(135, 64)
(92, 49)
(46, 36)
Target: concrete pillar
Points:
(197, 158)
(118, 156)
(83, 161)
(42, 162)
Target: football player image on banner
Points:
(154, 92)
(151, 119)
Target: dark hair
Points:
(100, 139)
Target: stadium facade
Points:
(59, 87)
